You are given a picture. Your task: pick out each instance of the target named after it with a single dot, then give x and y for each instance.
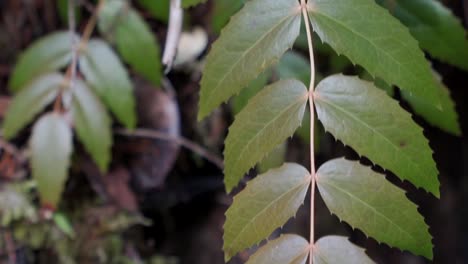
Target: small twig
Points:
(147, 133)
(176, 16)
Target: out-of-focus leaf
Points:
(268, 119)
(445, 119)
(133, 37)
(30, 101)
(273, 159)
(158, 9)
(62, 8)
(190, 3)
(92, 124)
(365, 118)
(338, 249)
(109, 78)
(255, 38)
(290, 249)
(47, 54)
(240, 101)
(436, 28)
(222, 12)
(51, 147)
(368, 35)
(15, 205)
(266, 203)
(294, 65)
(64, 224)
(366, 200)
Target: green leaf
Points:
(435, 27)
(222, 12)
(47, 54)
(240, 101)
(366, 200)
(338, 249)
(287, 249)
(254, 39)
(51, 147)
(190, 3)
(445, 118)
(106, 74)
(64, 224)
(266, 203)
(30, 101)
(133, 37)
(92, 124)
(158, 9)
(368, 35)
(269, 119)
(273, 159)
(365, 118)
(294, 65)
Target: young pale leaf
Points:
(268, 119)
(92, 123)
(106, 74)
(133, 37)
(290, 249)
(365, 118)
(366, 200)
(435, 27)
(51, 147)
(338, 249)
(368, 35)
(254, 39)
(30, 101)
(445, 118)
(47, 54)
(265, 204)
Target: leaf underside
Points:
(254, 39)
(109, 78)
(51, 147)
(266, 203)
(373, 124)
(368, 35)
(366, 200)
(287, 249)
(338, 249)
(268, 119)
(92, 124)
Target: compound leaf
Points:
(51, 147)
(266, 203)
(109, 78)
(338, 249)
(290, 249)
(435, 27)
(92, 124)
(365, 118)
(29, 101)
(366, 200)
(268, 119)
(47, 54)
(254, 39)
(368, 35)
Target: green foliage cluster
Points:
(353, 110)
(80, 104)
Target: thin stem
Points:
(181, 141)
(312, 128)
